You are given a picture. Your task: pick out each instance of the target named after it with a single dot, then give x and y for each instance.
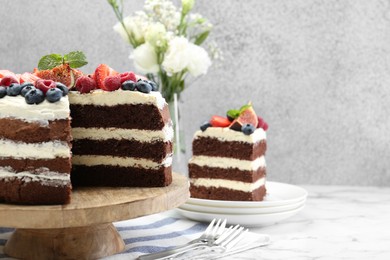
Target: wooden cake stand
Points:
(83, 229)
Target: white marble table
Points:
(337, 223)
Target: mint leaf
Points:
(50, 61)
(233, 113)
(245, 107)
(75, 59)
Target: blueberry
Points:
(154, 85)
(143, 87)
(26, 89)
(63, 88)
(26, 84)
(14, 89)
(34, 96)
(3, 92)
(248, 129)
(128, 85)
(204, 126)
(54, 95)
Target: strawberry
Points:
(8, 80)
(28, 77)
(85, 84)
(112, 83)
(219, 121)
(5, 73)
(128, 76)
(44, 85)
(101, 73)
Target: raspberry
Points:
(85, 84)
(125, 76)
(101, 73)
(8, 80)
(112, 83)
(260, 122)
(44, 85)
(265, 126)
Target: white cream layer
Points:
(118, 97)
(228, 184)
(225, 163)
(227, 134)
(16, 107)
(45, 176)
(44, 150)
(94, 160)
(165, 135)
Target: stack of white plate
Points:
(281, 202)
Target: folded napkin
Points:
(150, 234)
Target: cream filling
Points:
(165, 135)
(225, 163)
(118, 97)
(93, 160)
(44, 150)
(228, 184)
(45, 176)
(227, 134)
(16, 107)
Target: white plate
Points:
(248, 220)
(278, 194)
(236, 211)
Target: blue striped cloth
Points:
(143, 235)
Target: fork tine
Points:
(226, 234)
(214, 232)
(210, 226)
(230, 244)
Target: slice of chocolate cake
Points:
(35, 157)
(122, 134)
(228, 164)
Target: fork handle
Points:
(171, 252)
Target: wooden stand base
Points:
(90, 242)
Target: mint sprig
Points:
(235, 113)
(75, 59)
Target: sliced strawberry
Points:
(128, 76)
(219, 121)
(112, 83)
(5, 73)
(28, 77)
(101, 73)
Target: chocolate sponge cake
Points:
(35, 157)
(228, 164)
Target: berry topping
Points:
(219, 121)
(246, 116)
(14, 89)
(28, 77)
(3, 92)
(101, 73)
(63, 88)
(265, 126)
(112, 83)
(154, 85)
(127, 76)
(26, 84)
(143, 87)
(54, 95)
(85, 84)
(204, 126)
(129, 85)
(248, 129)
(8, 80)
(44, 85)
(26, 89)
(34, 96)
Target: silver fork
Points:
(209, 236)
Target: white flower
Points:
(145, 58)
(135, 26)
(156, 34)
(177, 56)
(199, 60)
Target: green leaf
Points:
(233, 113)
(201, 38)
(75, 59)
(50, 61)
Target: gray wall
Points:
(317, 71)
